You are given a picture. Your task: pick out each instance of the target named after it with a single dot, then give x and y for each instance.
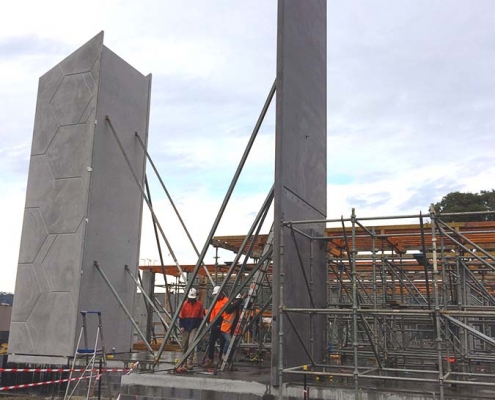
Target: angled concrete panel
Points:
(300, 179)
(82, 204)
(84, 58)
(46, 125)
(69, 155)
(40, 182)
(65, 211)
(56, 315)
(34, 233)
(19, 337)
(48, 85)
(62, 264)
(28, 292)
(111, 240)
(71, 99)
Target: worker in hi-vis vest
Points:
(190, 317)
(230, 318)
(215, 332)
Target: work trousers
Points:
(215, 334)
(187, 340)
(227, 337)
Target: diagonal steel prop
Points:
(202, 330)
(220, 212)
(124, 308)
(259, 217)
(150, 302)
(109, 121)
(159, 247)
(173, 205)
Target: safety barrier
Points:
(26, 385)
(62, 370)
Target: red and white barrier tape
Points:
(129, 370)
(62, 370)
(128, 373)
(41, 383)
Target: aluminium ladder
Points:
(248, 310)
(90, 354)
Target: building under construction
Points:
(352, 308)
(407, 303)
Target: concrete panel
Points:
(66, 208)
(34, 233)
(28, 292)
(111, 240)
(66, 228)
(56, 314)
(38, 267)
(62, 264)
(40, 182)
(84, 58)
(48, 84)
(71, 99)
(19, 338)
(300, 176)
(69, 154)
(46, 125)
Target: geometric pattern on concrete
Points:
(84, 58)
(57, 237)
(47, 285)
(19, 337)
(61, 263)
(40, 182)
(27, 293)
(66, 208)
(46, 125)
(34, 234)
(69, 153)
(56, 312)
(48, 84)
(71, 100)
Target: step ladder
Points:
(248, 310)
(90, 354)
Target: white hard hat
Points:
(192, 293)
(216, 289)
(238, 296)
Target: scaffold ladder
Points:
(91, 355)
(248, 310)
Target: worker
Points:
(215, 332)
(190, 317)
(230, 318)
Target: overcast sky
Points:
(411, 103)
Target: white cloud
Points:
(410, 100)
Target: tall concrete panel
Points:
(300, 180)
(82, 205)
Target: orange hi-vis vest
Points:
(218, 306)
(228, 320)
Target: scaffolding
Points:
(406, 304)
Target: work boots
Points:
(208, 363)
